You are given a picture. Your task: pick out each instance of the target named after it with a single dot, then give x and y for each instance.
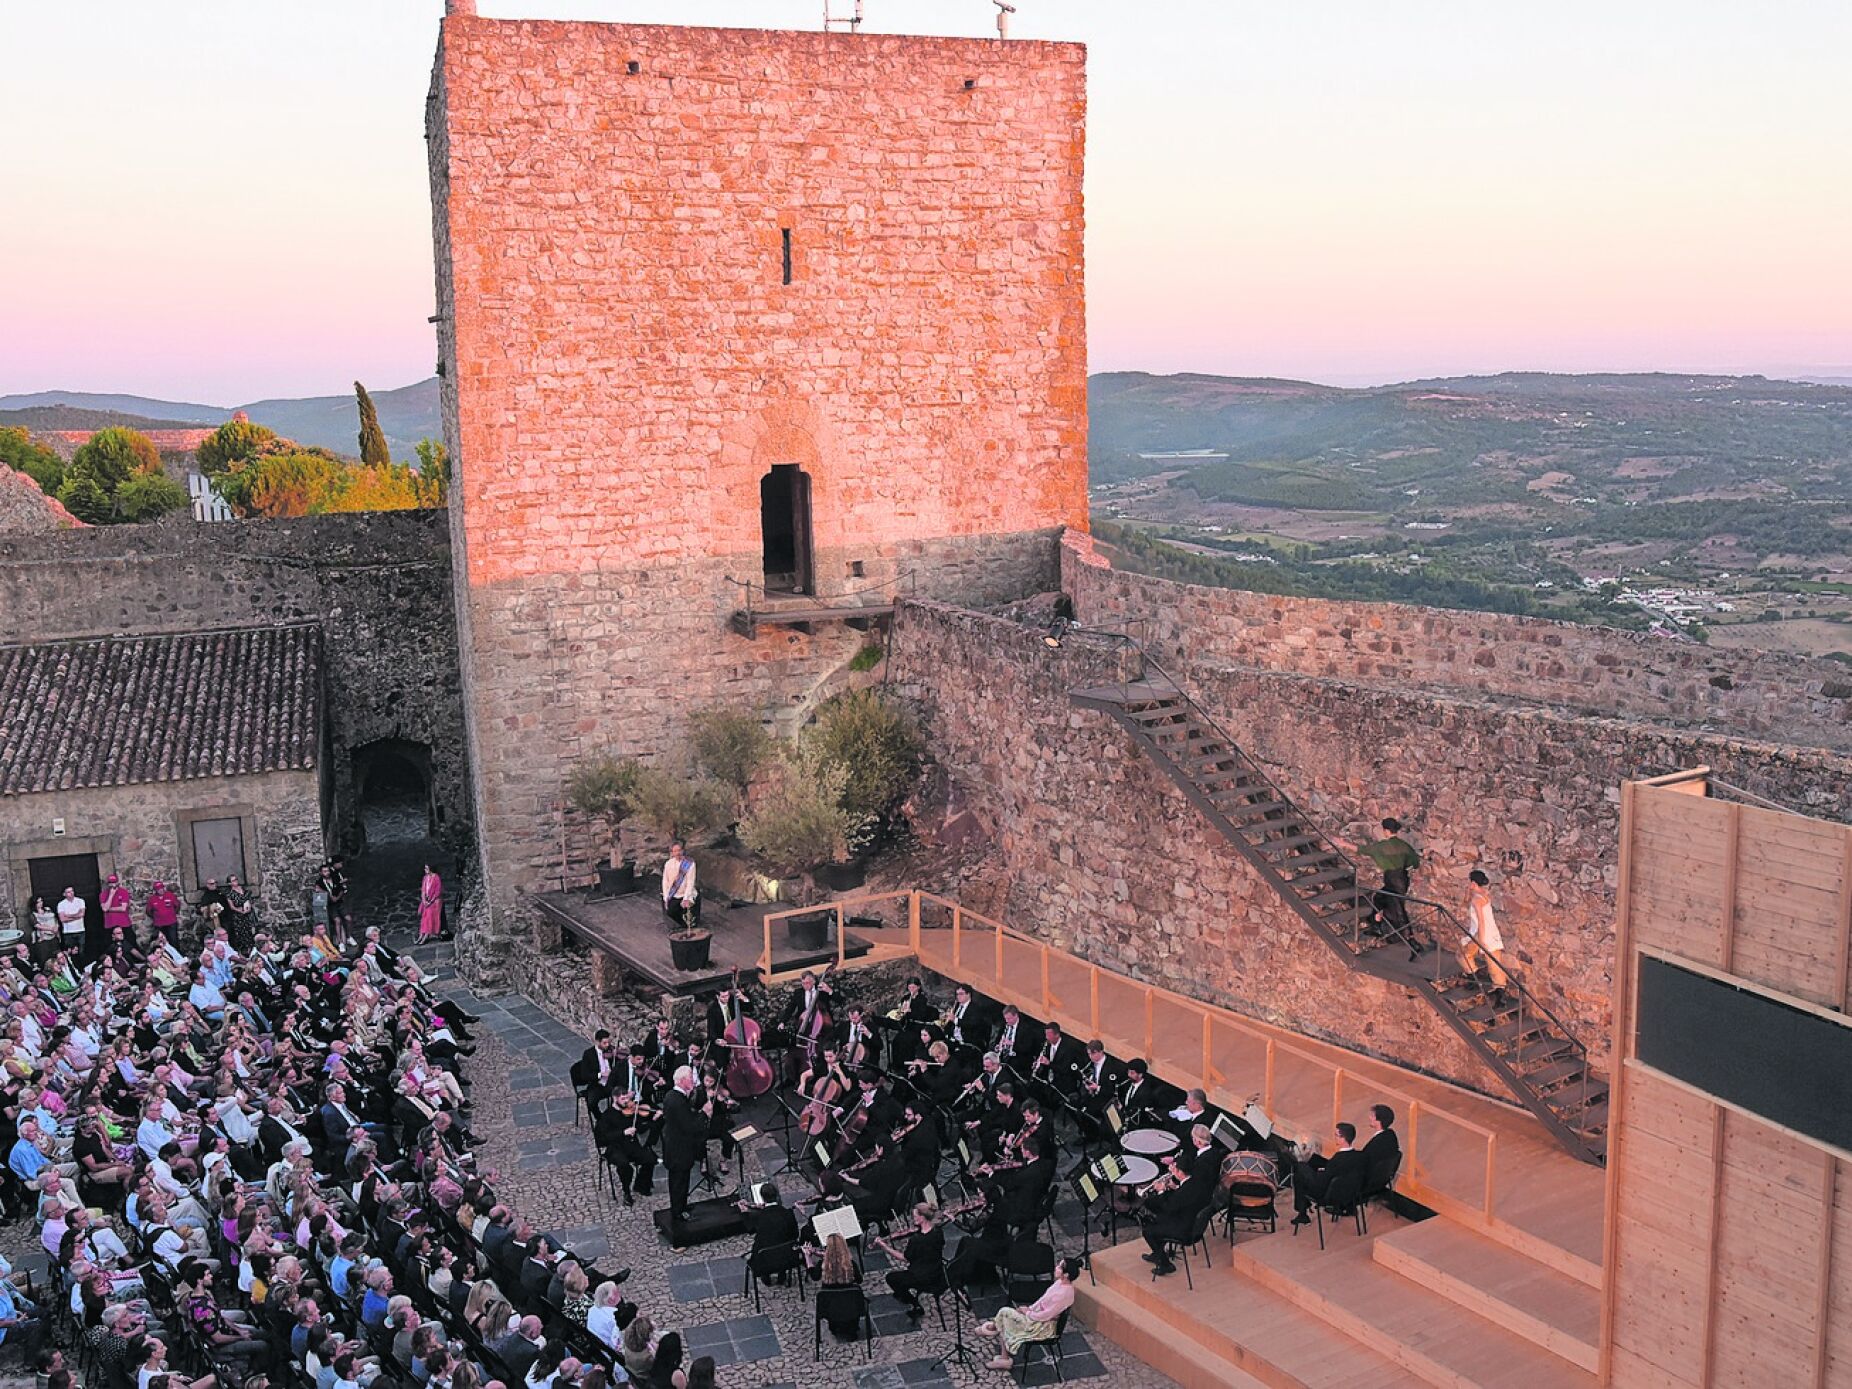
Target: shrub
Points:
(148, 495)
(115, 455)
(34, 460)
(679, 807)
(874, 743)
(83, 496)
(731, 745)
(800, 823)
(232, 443)
(603, 786)
(867, 658)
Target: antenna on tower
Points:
(1004, 11)
(850, 23)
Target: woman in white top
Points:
(1482, 940)
(44, 931)
(601, 1321)
(1015, 1326)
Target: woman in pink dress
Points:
(430, 906)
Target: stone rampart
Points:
(1566, 665)
(1101, 853)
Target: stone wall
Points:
(1561, 664)
(378, 583)
(624, 360)
(135, 831)
(1102, 854)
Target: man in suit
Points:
(1055, 1067)
(857, 1039)
(1382, 1154)
(1015, 1041)
(1193, 1109)
(774, 1251)
(1096, 1085)
(964, 1024)
(597, 1069)
(1314, 1179)
(520, 1348)
(623, 1136)
(1170, 1214)
(684, 1140)
(1143, 1098)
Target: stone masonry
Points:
(672, 259)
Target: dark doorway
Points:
(51, 876)
(392, 784)
(784, 521)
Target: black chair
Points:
(1251, 1203)
(1031, 1271)
(1196, 1235)
(583, 1077)
(1342, 1198)
(1379, 1185)
(769, 1264)
(1053, 1351)
(841, 1305)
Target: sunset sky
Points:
(219, 200)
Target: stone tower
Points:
(734, 324)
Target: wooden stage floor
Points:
(633, 930)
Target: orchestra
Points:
(884, 1108)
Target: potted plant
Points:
(876, 748)
(690, 810)
(601, 787)
(733, 746)
(689, 950)
(796, 828)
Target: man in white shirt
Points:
(680, 900)
(71, 909)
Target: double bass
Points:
(749, 1074)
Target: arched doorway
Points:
(784, 524)
(392, 792)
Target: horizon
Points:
(1294, 196)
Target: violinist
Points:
(660, 1049)
(872, 1182)
(871, 1117)
(623, 1131)
(918, 1139)
(860, 1043)
(1024, 1177)
(635, 1077)
(998, 1122)
(722, 1117)
(922, 1258)
(1174, 1200)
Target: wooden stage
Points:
(633, 931)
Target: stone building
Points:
(178, 758)
(742, 333)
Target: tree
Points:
(875, 744)
(731, 745)
(676, 807)
(83, 496)
(800, 824)
(294, 484)
(148, 495)
(393, 487)
(601, 787)
(115, 455)
(232, 443)
(372, 438)
(433, 472)
(34, 460)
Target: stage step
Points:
(1420, 1329)
(1113, 1316)
(1547, 1308)
(1229, 1319)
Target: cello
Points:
(749, 1074)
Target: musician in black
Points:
(1054, 1068)
(914, 1012)
(623, 1132)
(1016, 1041)
(1096, 1085)
(1169, 1214)
(634, 1076)
(661, 1049)
(724, 1008)
(974, 1096)
(999, 1120)
(858, 1040)
(872, 1183)
(923, 1258)
(963, 1022)
(1193, 1109)
(1145, 1099)
(774, 1251)
(684, 1140)
(595, 1068)
(794, 1022)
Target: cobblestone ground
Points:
(525, 1115)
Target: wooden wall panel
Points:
(1837, 1368)
(1790, 897)
(1675, 888)
(1767, 1253)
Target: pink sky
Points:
(221, 200)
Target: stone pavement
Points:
(525, 1115)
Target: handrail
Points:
(747, 586)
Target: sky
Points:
(222, 200)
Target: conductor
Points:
(684, 1139)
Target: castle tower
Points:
(734, 323)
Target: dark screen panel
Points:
(1790, 1066)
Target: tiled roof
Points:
(123, 710)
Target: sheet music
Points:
(1088, 1189)
(1257, 1120)
(841, 1221)
(1113, 1118)
(744, 1132)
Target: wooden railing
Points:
(1449, 1162)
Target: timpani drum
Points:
(1151, 1143)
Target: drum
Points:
(1137, 1172)
(1150, 1142)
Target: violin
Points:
(749, 1074)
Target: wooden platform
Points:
(634, 931)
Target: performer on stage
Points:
(622, 1131)
(684, 1140)
(1173, 1201)
(681, 902)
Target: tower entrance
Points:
(784, 524)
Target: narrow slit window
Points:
(785, 235)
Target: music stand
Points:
(739, 1136)
(1088, 1192)
(960, 1353)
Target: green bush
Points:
(800, 823)
(867, 658)
(115, 455)
(731, 745)
(876, 746)
(34, 460)
(148, 495)
(232, 443)
(603, 785)
(679, 807)
(83, 496)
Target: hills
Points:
(407, 414)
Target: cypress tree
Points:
(372, 438)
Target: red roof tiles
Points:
(121, 710)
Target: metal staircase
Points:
(1527, 1045)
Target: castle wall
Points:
(1599, 670)
(624, 361)
(378, 583)
(1104, 855)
